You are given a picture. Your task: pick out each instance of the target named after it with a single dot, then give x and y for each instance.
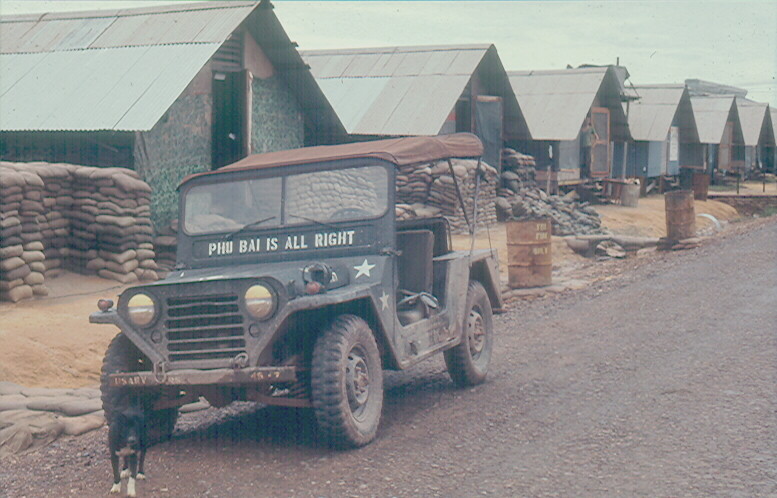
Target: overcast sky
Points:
(732, 42)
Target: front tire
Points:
(347, 383)
(120, 357)
(468, 362)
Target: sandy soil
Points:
(649, 219)
(49, 342)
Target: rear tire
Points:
(347, 383)
(122, 356)
(468, 362)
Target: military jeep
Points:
(296, 285)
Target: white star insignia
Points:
(384, 301)
(363, 269)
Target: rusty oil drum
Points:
(529, 259)
(680, 215)
(701, 186)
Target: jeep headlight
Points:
(260, 301)
(141, 309)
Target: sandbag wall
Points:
(428, 190)
(89, 220)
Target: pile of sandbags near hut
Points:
(428, 190)
(89, 220)
(520, 198)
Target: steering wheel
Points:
(349, 212)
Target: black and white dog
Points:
(127, 439)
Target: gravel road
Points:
(660, 382)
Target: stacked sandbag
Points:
(90, 220)
(53, 224)
(334, 191)
(568, 215)
(517, 167)
(427, 190)
(112, 227)
(414, 182)
(21, 249)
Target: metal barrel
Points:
(529, 259)
(630, 195)
(680, 215)
(701, 185)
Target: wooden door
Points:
(229, 117)
(489, 118)
(600, 146)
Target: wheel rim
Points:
(357, 382)
(476, 332)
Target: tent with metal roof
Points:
(427, 90)
(717, 122)
(557, 105)
(556, 102)
(122, 69)
(166, 90)
(756, 130)
(664, 131)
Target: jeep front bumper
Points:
(219, 376)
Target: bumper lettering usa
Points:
(255, 375)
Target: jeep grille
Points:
(204, 328)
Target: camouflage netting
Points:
(428, 190)
(276, 117)
(89, 220)
(180, 144)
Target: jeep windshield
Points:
(322, 197)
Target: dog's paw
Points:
(131, 487)
(116, 488)
(125, 473)
(140, 477)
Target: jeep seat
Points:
(415, 271)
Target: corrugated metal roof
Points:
(124, 88)
(209, 22)
(556, 102)
(106, 70)
(650, 117)
(711, 114)
(752, 117)
(394, 90)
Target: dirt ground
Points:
(673, 397)
(49, 342)
(649, 218)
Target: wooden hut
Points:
(427, 90)
(168, 91)
(664, 132)
(757, 132)
(717, 122)
(573, 117)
